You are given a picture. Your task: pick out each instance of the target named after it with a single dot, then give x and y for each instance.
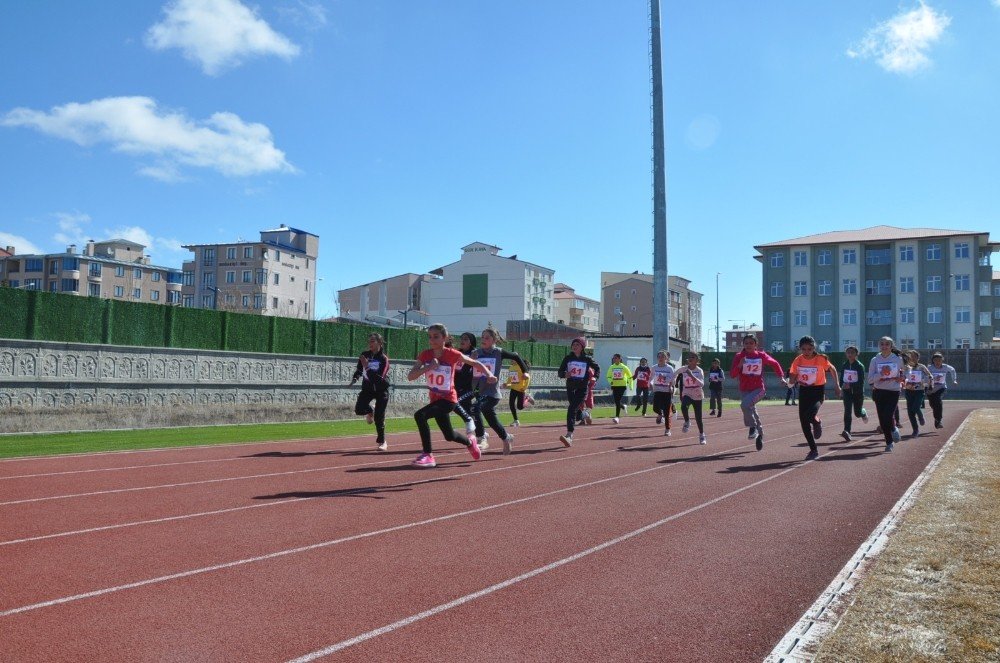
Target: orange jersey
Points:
(810, 371)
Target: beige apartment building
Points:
(388, 301)
(575, 310)
(112, 269)
(627, 307)
(274, 276)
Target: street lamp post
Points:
(718, 330)
(215, 296)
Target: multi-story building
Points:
(484, 287)
(6, 253)
(113, 269)
(574, 310)
(395, 300)
(627, 306)
(734, 337)
(924, 287)
(275, 276)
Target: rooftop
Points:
(873, 234)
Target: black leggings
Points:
(696, 404)
(439, 411)
(516, 402)
(363, 406)
(715, 398)
(661, 404)
(618, 393)
(937, 407)
(486, 406)
(854, 398)
(811, 397)
(464, 406)
(914, 399)
(886, 401)
(576, 395)
(641, 398)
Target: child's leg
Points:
(696, 404)
(381, 403)
(442, 415)
(421, 416)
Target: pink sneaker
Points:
(425, 460)
(474, 450)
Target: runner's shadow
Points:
(736, 469)
(291, 454)
(854, 456)
(657, 448)
(403, 468)
(729, 455)
(373, 492)
(626, 437)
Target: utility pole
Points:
(661, 289)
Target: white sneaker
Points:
(470, 428)
(667, 433)
(382, 447)
(508, 445)
(515, 423)
(566, 439)
(702, 439)
(614, 419)
(687, 427)
(484, 441)
(586, 417)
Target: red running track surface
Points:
(628, 546)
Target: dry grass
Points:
(934, 593)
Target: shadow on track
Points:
(374, 492)
(665, 447)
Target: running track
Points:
(629, 546)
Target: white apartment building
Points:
(483, 287)
(575, 310)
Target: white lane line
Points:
(201, 514)
(353, 537)
(184, 484)
(486, 591)
(823, 617)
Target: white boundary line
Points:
(823, 617)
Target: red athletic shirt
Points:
(441, 380)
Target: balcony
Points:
(71, 274)
(94, 278)
(173, 287)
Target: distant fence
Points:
(44, 316)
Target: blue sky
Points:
(401, 131)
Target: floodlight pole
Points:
(661, 288)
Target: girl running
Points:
(464, 386)
(809, 371)
(439, 364)
(373, 370)
(574, 370)
(663, 389)
(692, 380)
(619, 377)
(583, 414)
(917, 378)
(885, 375)
(939, 385)
(641, 375)
(748, 367)
(518, 382)
(852, 381)
(491, 356)
(716, 377)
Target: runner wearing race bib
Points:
(852, 385)
(692, 381)
(489, 394)
(939, 385)
(916, 378)
(574, 370)
(663, 377)
(641, 375)
(809, 370)
(373, 370)
(748, 368)
(518, 382)
(884, 370)
(716, 377)
(619, 377)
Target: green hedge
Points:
(137, 324)
(403, 344)
(333, 340)
(16, 306)
(195, 328)
(247, 333)
(293, 336)
(69, 318)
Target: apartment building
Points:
(925, 287)
(112, 269)
(734, 337)
(273, 276)
(575, 310)
(394, 300)
(627, 306)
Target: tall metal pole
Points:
(718, 329)
(661, 288)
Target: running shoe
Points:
(878, 429)
(659, 418)
(508, 445)
(864, 415)
(760, 440)
(484, 443)
(425, 460)
(895, 435)
(667, 432)
(515, 423)
(382, 446)
(687, 427)
(702, 439)
(817, 427)
(720, 414)
(920, 417)
(587, 419)
(614, 419)
(528, 401)
(474, 449)
(470, 427)
(566, 439)
(889, 446)
(847, 436)
(938, 424)
(812, 455)
(753, 433)
(711, 413)
(370, 418)
(916, 432)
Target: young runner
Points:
(939, 385)
(439, 364)
(663, 389)
(852, 381)
(574, 370)
(465, 386)
(748, 367)
(583, 413)
(641, 375)
(716, 378)
(518, 382)
(809, 371)
(492, 356)
(692, 380)
(917, 378)
(619, 377)
(885, 375)
(373, 370)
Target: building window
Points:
(95, 269)
(962, 250)
(68, 285)
(850, 256)
(247, 276)
(963, 343)
(119, 271)
(871, 345)
(935, 343)
(155, 276)
(934, 315)
(850, 286)
(878, 317)
(905, 284)
(907, 343)
(274, 303)
(475, 290)
(188, 278)
(933, 284)
(95, 290)
(777, 260)
(208, 257)
(961, 282)
(119, 291)
(261, 276)
(963, 314)
(825, 318)
(777, 288)
(188, 301)
(876, 256)
(618, 294)
(984, 318)
(878, 286)
(154, 295)
(231, 253)
(173, 297)
(263, 254)
(777, 318)
(824, 288)
(801, 318)
(824, 257)
(230, 277)
(801, 259)
(984, 288)
(276, 280)
(800, 289)
(206, 301)
(933, 251)
(136, 293)
(208, 278)
(907, 315)
(906, 254)
(258, 301)
(850, 316)
(996, 313)
(53, 267)
(996, 291)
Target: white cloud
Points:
(20, 244)
(218, 34)
(899, 45)
(309, 15)
(135, 125)
(71, 228)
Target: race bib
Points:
(374, 365)
(617, 374)
(939, 378)
(807, 375)
(887, 370)
(715, 377)
(850, 376)
(915, 377)
(488, 362)
(514, 378)
(753, 366)
(439, 379)
(576, 370)
(663, 378)
(690, 381)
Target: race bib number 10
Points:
(439, 379)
